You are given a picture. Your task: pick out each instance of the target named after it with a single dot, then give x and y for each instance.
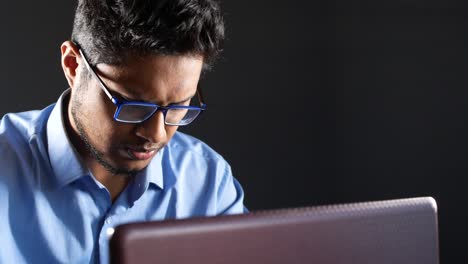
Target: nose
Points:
(153, 129)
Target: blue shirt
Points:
(52, 209)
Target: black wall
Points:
(314, 102)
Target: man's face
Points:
(124, 148)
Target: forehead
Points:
(163, 66)
(164, 75)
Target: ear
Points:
(71, 60)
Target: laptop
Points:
(400, 231)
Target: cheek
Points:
(114, 134)
(99, 117)
(100, 125)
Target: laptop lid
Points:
(400, 231)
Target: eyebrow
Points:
(185, 100)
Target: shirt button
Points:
(107, 221)
(110, 231)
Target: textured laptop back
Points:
(386, 232)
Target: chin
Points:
(126, 167)
(129, 164)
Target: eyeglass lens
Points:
(135, 113)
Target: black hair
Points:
(110, 31)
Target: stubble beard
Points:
(96, 154)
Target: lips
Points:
(141, 154)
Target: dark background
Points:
(313, 102)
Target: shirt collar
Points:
(63, 157)
(66, 162)
(152, 174)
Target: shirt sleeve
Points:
(230, 195)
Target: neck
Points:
(115, 184)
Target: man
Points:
(107, 152)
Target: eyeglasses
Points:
(138, 112)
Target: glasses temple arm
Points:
(88, 66)
(200, 96)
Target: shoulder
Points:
(20, 134)
(18, 128)
(193, 167)
(183, 144)
(192, 161)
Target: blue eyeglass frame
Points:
(119, 103)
